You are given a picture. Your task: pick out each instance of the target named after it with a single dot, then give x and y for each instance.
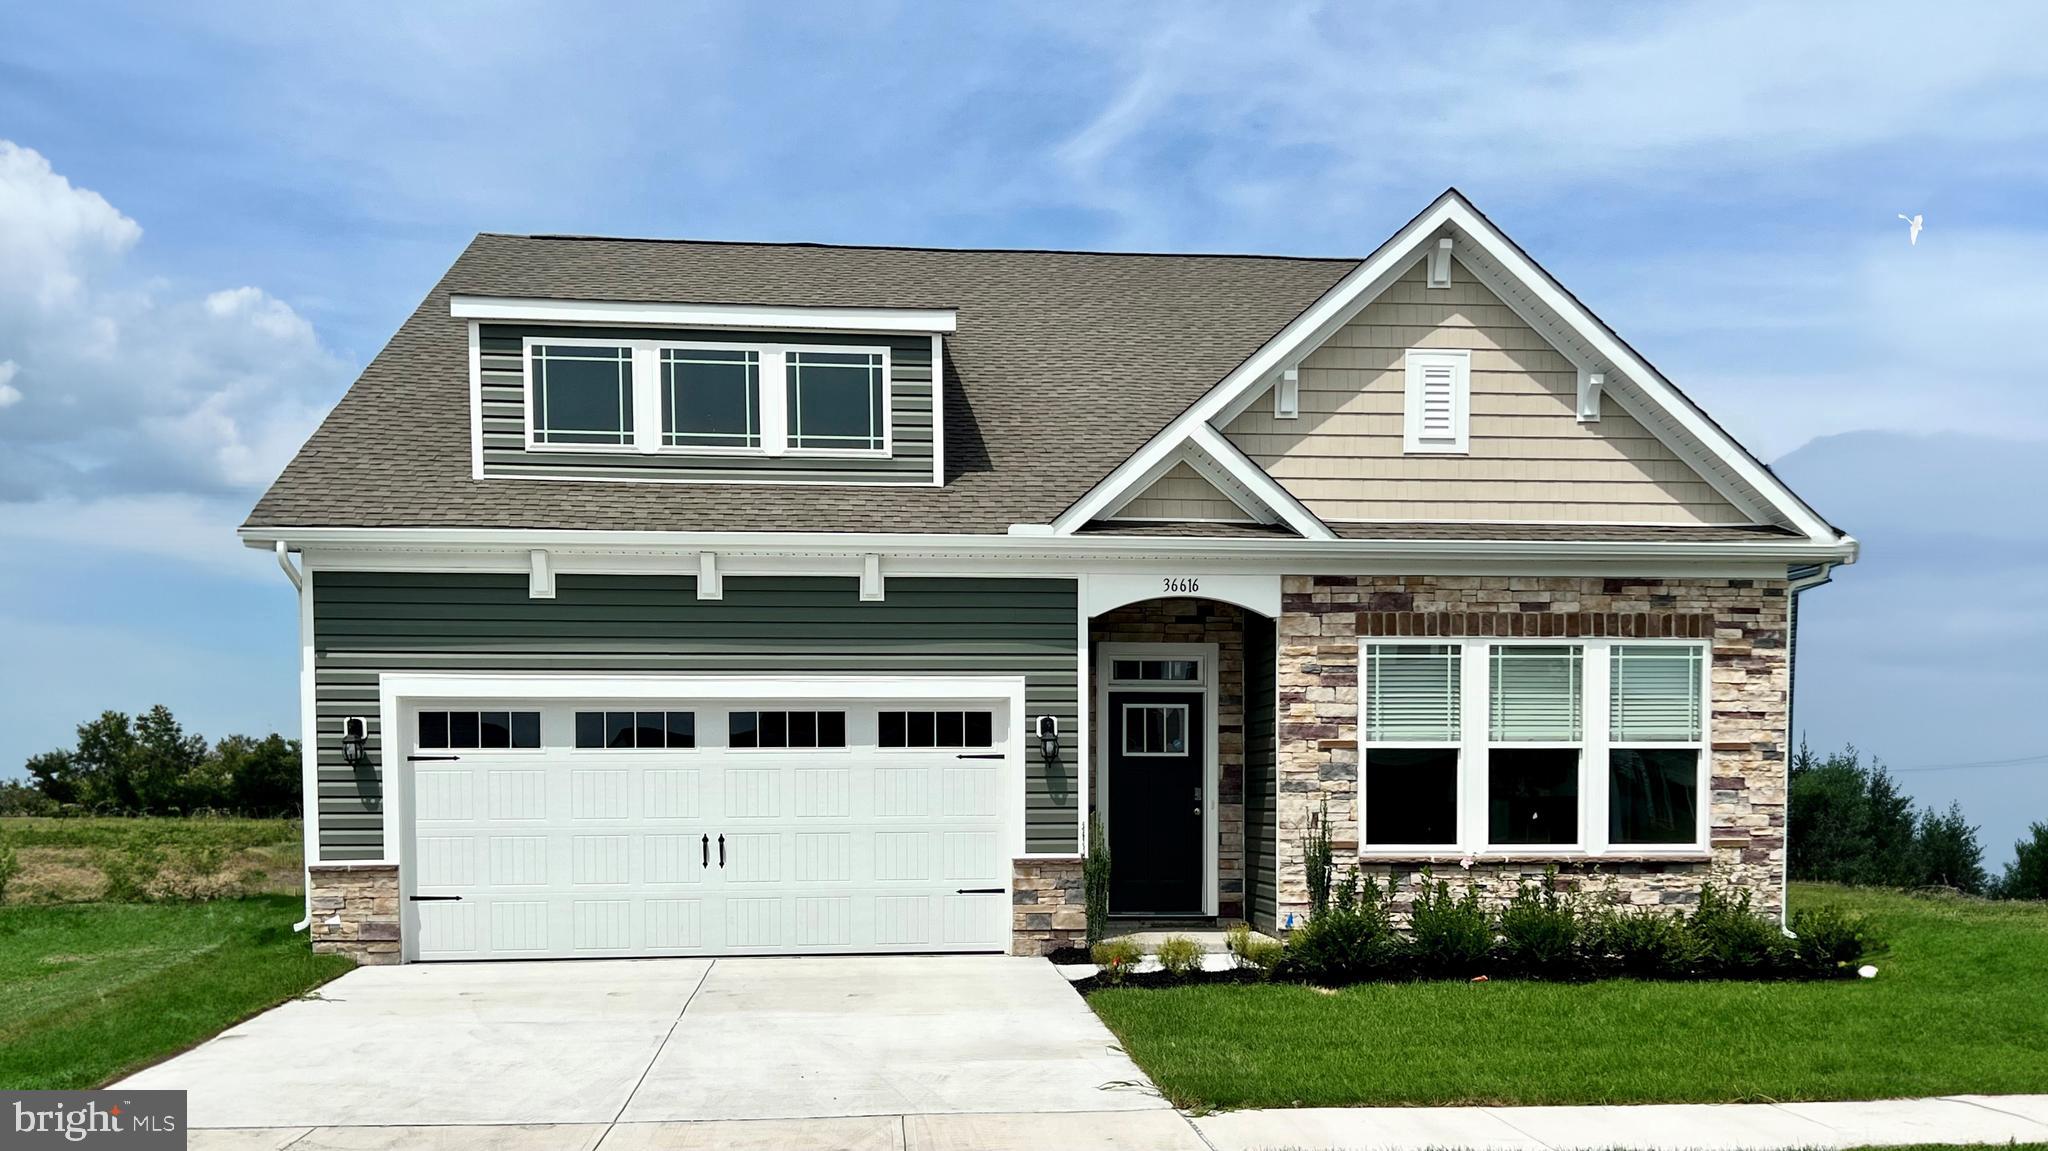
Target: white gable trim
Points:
(1722, 459)
(1236, 478)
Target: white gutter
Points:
(284, 560)
(1806, 551)
(1821, 574)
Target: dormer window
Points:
(706, 398)
(582, 394)
(835, 401)
(710, 398)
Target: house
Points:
(671, 598)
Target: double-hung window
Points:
(655, 396)
(1413, 727)
(1589, 746)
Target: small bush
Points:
(1730, 941)
(1252, 951)
(1179, 956)
(1642, 942)
(1095, 881)
(1541, 931)
(1318, 861)
(134, 870)
(1114, 959)
(1352, 940)
(1830, 941)
(1452, 937)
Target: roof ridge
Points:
(592, 238)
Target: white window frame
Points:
(771, 382)
(1596, 740)
(1459, 360)
(1365, 746)
(636, 706)
(1138, 709)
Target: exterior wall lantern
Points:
(1049, 739)
(355, 732)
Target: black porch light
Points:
(1049, 739)
(355, 732)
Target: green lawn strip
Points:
(1961, 1005)
(109, 831)
(89, 993)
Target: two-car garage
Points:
(628, 816)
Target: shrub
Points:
(1450, 937)
(1729, 940)
(1318, 860)
(1541, 931)
(1351, 940)
(1179, 956)
(1252, 951)
(1095, 881)
(1643, 942)
(1830, 941)
(134, 868)
(1114, 959)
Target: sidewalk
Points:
(1705, 1127)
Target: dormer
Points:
(705, 393)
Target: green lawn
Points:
(90, 992)
(1960, 1005)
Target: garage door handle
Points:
(979, 891)
(707, 852)
(721, 851)
(429, 758)
(981, 755)
(435, 898)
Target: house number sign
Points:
(1109, 590)
(1181, 585)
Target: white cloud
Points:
(130, 384)
(199, 530)
(9, 394)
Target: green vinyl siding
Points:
(503, 380)
(1261, 806)
(368, 623)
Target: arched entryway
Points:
(1182, 695)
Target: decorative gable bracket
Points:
(1591, 384)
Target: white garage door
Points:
(688, 827)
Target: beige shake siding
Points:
(1182, 494)
(1530, 458)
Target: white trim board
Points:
(520, 309)
(1698, 437)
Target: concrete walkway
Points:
(1703, 1127)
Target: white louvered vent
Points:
(1438, 409)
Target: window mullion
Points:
(1477, 715)
(1593, 774)
(647, 387)
(774, 391)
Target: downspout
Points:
(284, 560)
(1800, 579)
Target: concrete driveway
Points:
(897, 1052)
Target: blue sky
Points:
(211, 215)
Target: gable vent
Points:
(1438, 403)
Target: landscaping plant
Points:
(1253, 951)
(1318, 861)
(1730, 941)
(1829, 941)
(1095, 882)
(1639, 942)
(1179, 956)
(1350, 941)
(1114, 959)
(1541, 930)
(1451, 936)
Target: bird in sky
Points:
(1914, 223)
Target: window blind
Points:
(1412, 693)
(1654, 694)
(1535, 694)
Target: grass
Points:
(92, 992)
(71, 860)
(1960, 1005)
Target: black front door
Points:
(1155, 803)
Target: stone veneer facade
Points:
(1194, 621)
(1324, 617)
(355, 910)
(1048, 904)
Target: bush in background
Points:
(2026, 877)
(10, 864)
(1848, 822)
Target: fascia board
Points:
(921, 321)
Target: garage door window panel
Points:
(484, 730)
(623, 730)
(784, 730)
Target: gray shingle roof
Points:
(1062, 365)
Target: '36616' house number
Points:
(1183, 585)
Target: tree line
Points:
(150, 765)
(1850, 823)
